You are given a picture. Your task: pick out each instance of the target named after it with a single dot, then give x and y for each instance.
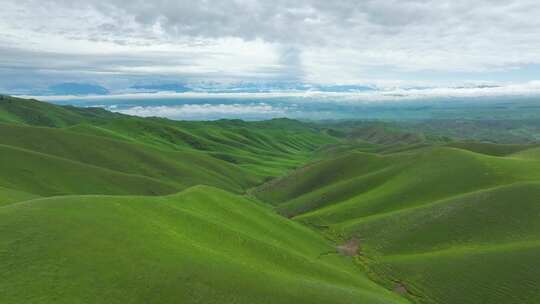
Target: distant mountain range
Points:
(172, 87)
(70, 88)
(84, 89)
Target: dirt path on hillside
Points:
(349, 248)
(400, 289)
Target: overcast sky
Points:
(117, 43)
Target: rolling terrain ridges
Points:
(434, 223)
(412, 178)
(202, 245)
(46, 175)
(264, 148)
(437, 222)
(179, 169)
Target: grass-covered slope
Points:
(90, 212)
(178, 169)
(492, 149)
(475, 248)
(37, 113)
(268, 148)
(491, 274)
(362, 184)
(265, 148)
(439, 224)
(46, 175)
(491, 216)
(8, 196)
(202, 245)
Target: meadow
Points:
(101, 207)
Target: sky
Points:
(380, 43)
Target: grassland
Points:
(202, 245)
(173, 170)
(265, 149)
(98, 207)
(114, 209)
(437, 222)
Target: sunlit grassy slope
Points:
(268, 148)
(173, 170)
(46, 175)
(363, 184)
(91, 147)
(33, 112)
(447, 225)
(475, 248)
(98, 207)
(203, 245)
(492, 149)
(200, 244)
(8, 196)
(264, 148)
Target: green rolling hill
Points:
(46, 175)
(267, 148)
(33, 112)
(99, 207)
(470, 249)
(437, 221)
(358, 184)
(8, 196)
(202, 245)
(179, 169)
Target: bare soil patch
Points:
(401, 289)
(349, 248)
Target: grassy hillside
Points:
(46, 175)
(435, 223)
(474, 248)
(492, 149)
(504, 129)
(98, 207)
(37, 113)
(363, 184)
(492, 274)
(265, 148)
(232, 155)
(8, 196)
(202, 245)
(268, 148)
(178, 169)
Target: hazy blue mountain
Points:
(70, 88)
(173, 87)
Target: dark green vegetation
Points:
(97, 207)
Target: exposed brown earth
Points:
(349, 248)
(400, 289)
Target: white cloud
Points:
(529, 89)
(309, 104)
(205, 111)
(311, 40)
